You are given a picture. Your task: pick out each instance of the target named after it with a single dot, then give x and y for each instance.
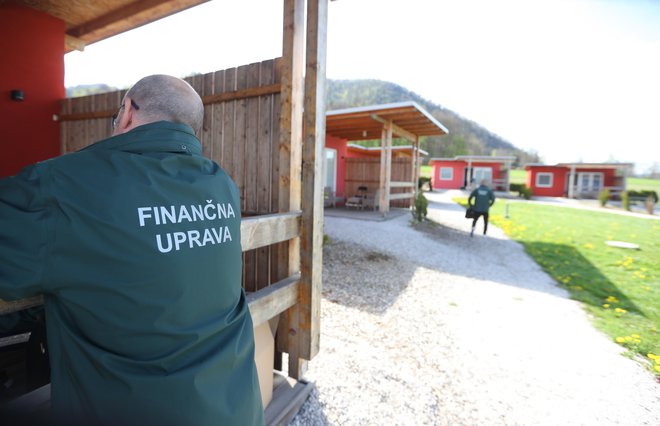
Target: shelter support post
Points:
(571, 183)
(290, 151)
(385, 169)
(300, 334)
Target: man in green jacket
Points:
(135, 244)
(483, 198)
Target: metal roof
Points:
(365, 123)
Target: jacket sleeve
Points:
(24, 219)
(472, 195)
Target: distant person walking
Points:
(483, 198)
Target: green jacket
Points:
(483, 198)
(135, 244)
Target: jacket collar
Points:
(161, 136)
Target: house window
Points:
(544, 180)
(446, 173)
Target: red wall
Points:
(558, 188)
(459, 167)
(32, 46)
(342, 153)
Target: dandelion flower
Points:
(620, 339)
(650, 355)
(606, 306)
(657, 368)
(620, 311)
(612, 299)
(635, 336)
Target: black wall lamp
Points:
(17, 95)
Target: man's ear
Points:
(126, 119)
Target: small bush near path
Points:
(620, 288)
(604, 196)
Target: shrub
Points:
(420, 209)
(625, 200)
(644, 194)
(522, 190)
(525, 192)
(604, 196)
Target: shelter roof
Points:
(479, 158)
(90, 21)
(365, 123)
(376, 150)
(585, 165)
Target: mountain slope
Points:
(465, 136)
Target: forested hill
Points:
(465, 136)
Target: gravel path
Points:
(431, 327)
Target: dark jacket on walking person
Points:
(483, 198)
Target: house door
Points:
(330, 169)
(589, 182)
(483, 173)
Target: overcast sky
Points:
(575, 80)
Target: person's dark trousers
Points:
(474, 221)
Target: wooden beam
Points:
(250, 92)
(210, 99)
(290, 161)
(402, 196)
(7, 307)
(273, 300)
(312, 175)
(396, 129)
(402, 184)
(125, 12)
(260, 231)
(73, 43)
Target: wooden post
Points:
(312, 179)
(290, 157)
(388, 165)
(571, 182)
(416, 167)
(381, 181)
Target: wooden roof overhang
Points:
(366, 123)
(90, 21)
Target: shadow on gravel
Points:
(363, 278)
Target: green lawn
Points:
(517, 176)
(640, 184)
(425, 171)
(620, 288)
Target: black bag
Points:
(470, 213)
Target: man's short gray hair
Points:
(163, 97)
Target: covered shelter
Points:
(405, 120)
(256, 118)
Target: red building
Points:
(588, 179)
(464, 170)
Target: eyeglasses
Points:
(116, 114)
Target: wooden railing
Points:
(258, 231)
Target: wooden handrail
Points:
(258, 231)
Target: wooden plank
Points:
(246, 93)
(218, 112)
(402, 184)
(269, 229)
(312, 190)
(396, 129)
(273, 300)
(290, 147)
(229, 144)
(208, 126)
(8, 306)
(255, 232)
(402, 195)
(264, 169)
(288, 396)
